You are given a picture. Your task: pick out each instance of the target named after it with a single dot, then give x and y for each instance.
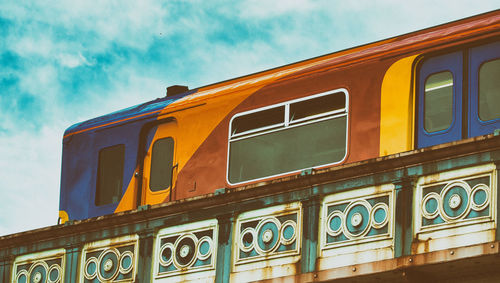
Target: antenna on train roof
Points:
(176, 89)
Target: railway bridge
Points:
(427, 214)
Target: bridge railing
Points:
(422, 207)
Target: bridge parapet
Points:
(388, 218)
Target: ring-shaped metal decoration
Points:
(86, 268)
(385, 208)
(250, 247)
(363, 232)
(192, 237)
(445, 190)
(22, 273)
(475, 189)
(329, 230)
(284, 225)
(41, 263)
(199, 254)
(59, 273)
(261, 224)
(169, 261)
(123, 256)
(428, 197)
(114, 274)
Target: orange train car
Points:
(420, 89)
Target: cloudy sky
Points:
(62, 62)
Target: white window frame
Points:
(287, 124)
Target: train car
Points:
(422, 89)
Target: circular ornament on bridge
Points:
(54, 274)
(288, 232)
(379, 215)
(204, 248)
(22, 277)
(166, 254)
(126, 262)
(480, 197)
(334, 223)
(455, 200)
(90, 269)
(38, 272)
(185, 250)
(430, 205)
(247, 239)
(108, 265)
(357, 220)
(268, 235)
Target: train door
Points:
(159, 167)
(447, 111)
(440, 100)
(484, 89)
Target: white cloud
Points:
(30, 187)
(73, 61)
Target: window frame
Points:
(97, 185)
(424, 101)
(171, 165)
(288, 124)
(477, 92)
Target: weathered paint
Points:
(458, 216)
(394, 180)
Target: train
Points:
(421, 89)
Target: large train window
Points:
(288, 137)
(110, 175)
(447, 111)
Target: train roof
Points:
(410, 42)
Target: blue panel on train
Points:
(440, 100)
(484, 89)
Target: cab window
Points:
(110, 175)
(162, 157)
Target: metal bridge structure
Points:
(427, 214)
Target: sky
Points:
(63, 62)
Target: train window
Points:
(162, 157)
(310, 108)
(438, 101)
(262, 120)
(110, 175)
(489, 90)
(313, 133)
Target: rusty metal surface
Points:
(304, 205)
(477, 263)
(394, 162)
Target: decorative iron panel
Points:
(46, 267)
(186, 249)
(112, 260)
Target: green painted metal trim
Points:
(224, 259)
(310, 228)
(403, 230)
(5, 269)
(71, 264)
(145, 257)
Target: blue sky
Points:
(62, 62)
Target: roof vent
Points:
(176, 89)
